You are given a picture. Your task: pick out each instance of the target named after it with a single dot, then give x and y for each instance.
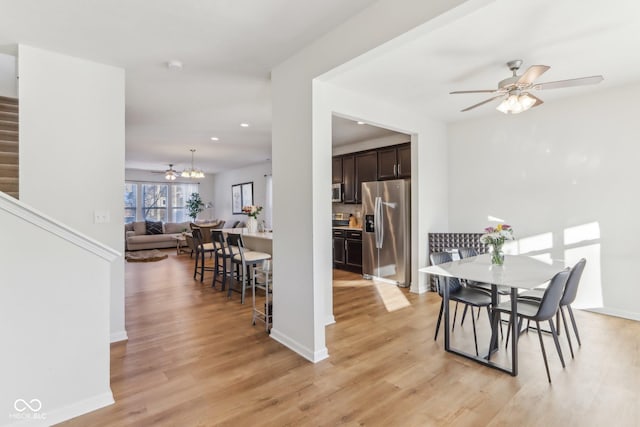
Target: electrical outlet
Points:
(101, 217)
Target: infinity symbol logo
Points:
(22, 405)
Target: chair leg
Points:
(195, 269)
(556, 342)
(573, 322)
(506, 345)
(544, 353)
(202, 267)
(564, 321)
(464, 314)
(216, 271)
(243, 283)
(475, 336)
(439, 319)
(455, 313)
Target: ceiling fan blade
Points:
(569, 83)
(538, 100)
(532, 74)
(481, 103)
(473, 91)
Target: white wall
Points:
(54, 318)
(302, 167)
(72, 150)
(8, 76)
(550, 171)
(223, 181)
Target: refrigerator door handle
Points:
(377, 220)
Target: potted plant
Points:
(194, 205)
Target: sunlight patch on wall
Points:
(536, 243)
(392, 297)
(590, 288)
(580, 233)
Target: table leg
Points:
(445, 302)
(495, 322)
(515, 330)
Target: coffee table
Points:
(181, 244)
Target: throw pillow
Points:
(153, 227)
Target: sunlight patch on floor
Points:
(392, 297)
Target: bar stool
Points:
(241, 260)
(265, 273)
(201, 249)
(222, 258)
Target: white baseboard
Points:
(330, 320)
(615, 312)
(71, 411)
(119, 336)
(312, 356)
(418, 288)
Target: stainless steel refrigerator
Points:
(386, 238)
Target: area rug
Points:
(145, 256)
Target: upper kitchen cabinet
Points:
(366, 170)
(349, 178)
(394, 162)
(336, 170)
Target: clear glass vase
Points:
(497, 256)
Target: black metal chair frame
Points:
(541, 311)
(201, 249)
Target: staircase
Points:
(9, 146)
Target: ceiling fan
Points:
(170, 174)
(515, 91)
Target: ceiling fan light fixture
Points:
(516, 104)
(170, 174)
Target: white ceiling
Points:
(228, 48)
(576, 38)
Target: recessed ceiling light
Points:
(215, 138)
(360, 123)
(244, 125)
(174, 65)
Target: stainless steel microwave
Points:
(336, 193)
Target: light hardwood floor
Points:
(194, 359)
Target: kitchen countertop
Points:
(348, 228)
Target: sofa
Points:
(153, 235)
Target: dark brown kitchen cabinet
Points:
(394, 162)
(349, 178)
(404, 161)
(339, 252)
(347, 250)
(366, 171)
(336, 170)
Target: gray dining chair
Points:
(468, 296)
(568, 297)
(540, 311)
(502, 290)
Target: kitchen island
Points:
(260, 241)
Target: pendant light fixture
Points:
(193, 172)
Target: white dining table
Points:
(518, 272)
